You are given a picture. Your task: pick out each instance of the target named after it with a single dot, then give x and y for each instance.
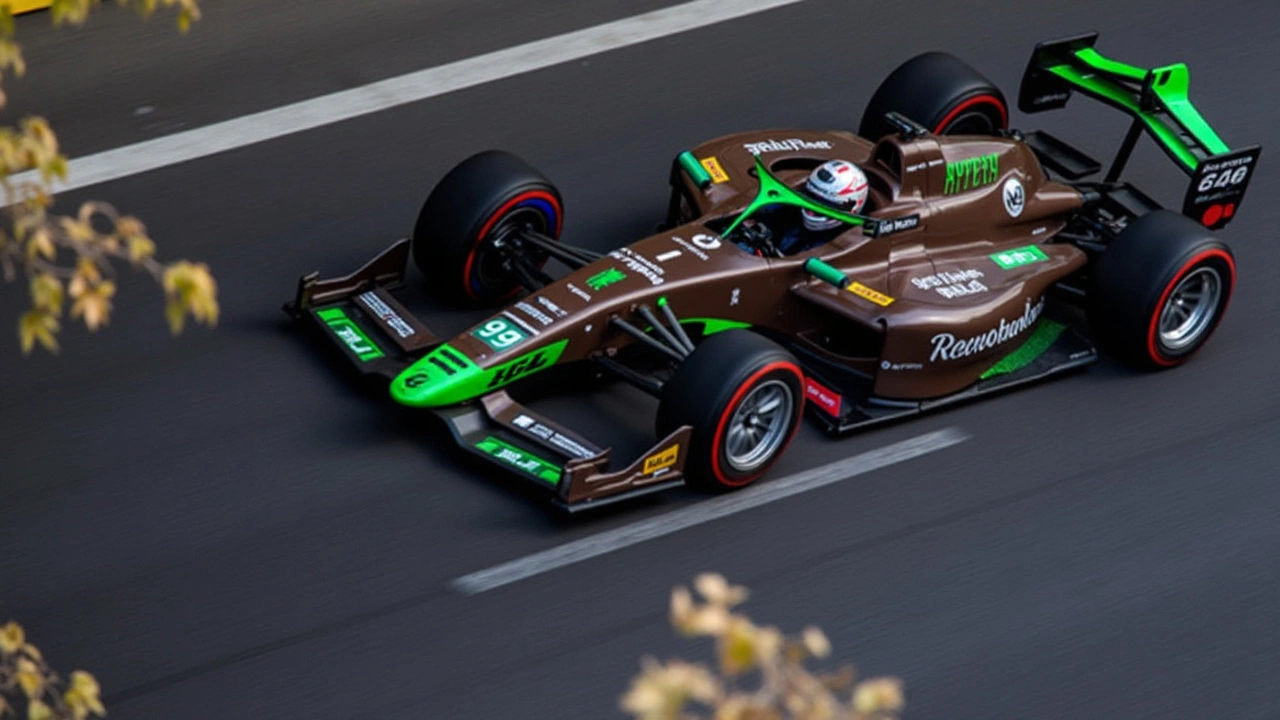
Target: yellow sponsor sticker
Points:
(712, 166)
(867, 293)
(662, 460)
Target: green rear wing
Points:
(1157, 100)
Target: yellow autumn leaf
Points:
(737, 647)
(30, 679)
(94, 305)
(41, 243)
(37, 326)
(176, 315)
(83, 695)
(140, 248)
(661, 692)
(190, 289)
(78, 231)
(878, 695)
(11, 57)
(12, 638)
(37, 710)
(717, 590)
(46, 292)
(32, 652)
(815, 641)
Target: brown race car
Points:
(985, 258)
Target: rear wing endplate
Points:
(1158, 101)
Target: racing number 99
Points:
(499, 334)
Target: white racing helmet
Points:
(837, 184)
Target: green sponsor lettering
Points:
(350, 334)
(1018, 257)
(532, 464)
(427, 382)
(605, 278)
(970, 173)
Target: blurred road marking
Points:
(706, 511)
(420, 85)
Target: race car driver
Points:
(838, 184)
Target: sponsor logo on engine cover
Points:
(947, 346)
(790, 145)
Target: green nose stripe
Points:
(446, 376)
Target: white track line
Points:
(706, 511)
(420, 85)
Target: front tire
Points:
(744, 397)
(459, 234)
(1160, 290)
(942, 93)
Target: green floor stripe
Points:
(1040, 340)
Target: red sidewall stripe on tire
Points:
(728, 412)
(976, 100)
(493, 219)
(1153, 328)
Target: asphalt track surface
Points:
(218, 526)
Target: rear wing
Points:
(1158, 102)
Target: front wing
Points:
(360, 317)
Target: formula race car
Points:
(984, 258)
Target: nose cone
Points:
(446, 376)
(443, 377)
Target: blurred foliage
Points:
(30, 688)
(783, 687)
(72, 259)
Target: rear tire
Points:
(1160, 290)
(458, 237)
(744, 397)
(942, 93)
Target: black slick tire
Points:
(942, 93)
(735, 387)
(458, 237)
(1159, 291)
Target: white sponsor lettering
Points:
(668, 255)
(639, 264)
(733, 299)
(689, 246)
(789, 145)
(551, 307)
(534, 313)
(578, 291)
(1050, 98)
(947, 347)
(886, 365)
(952, 284)
(537, 429)
(389, 316)
(570, 446)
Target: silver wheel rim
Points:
(759, 425)
(1190, 309)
